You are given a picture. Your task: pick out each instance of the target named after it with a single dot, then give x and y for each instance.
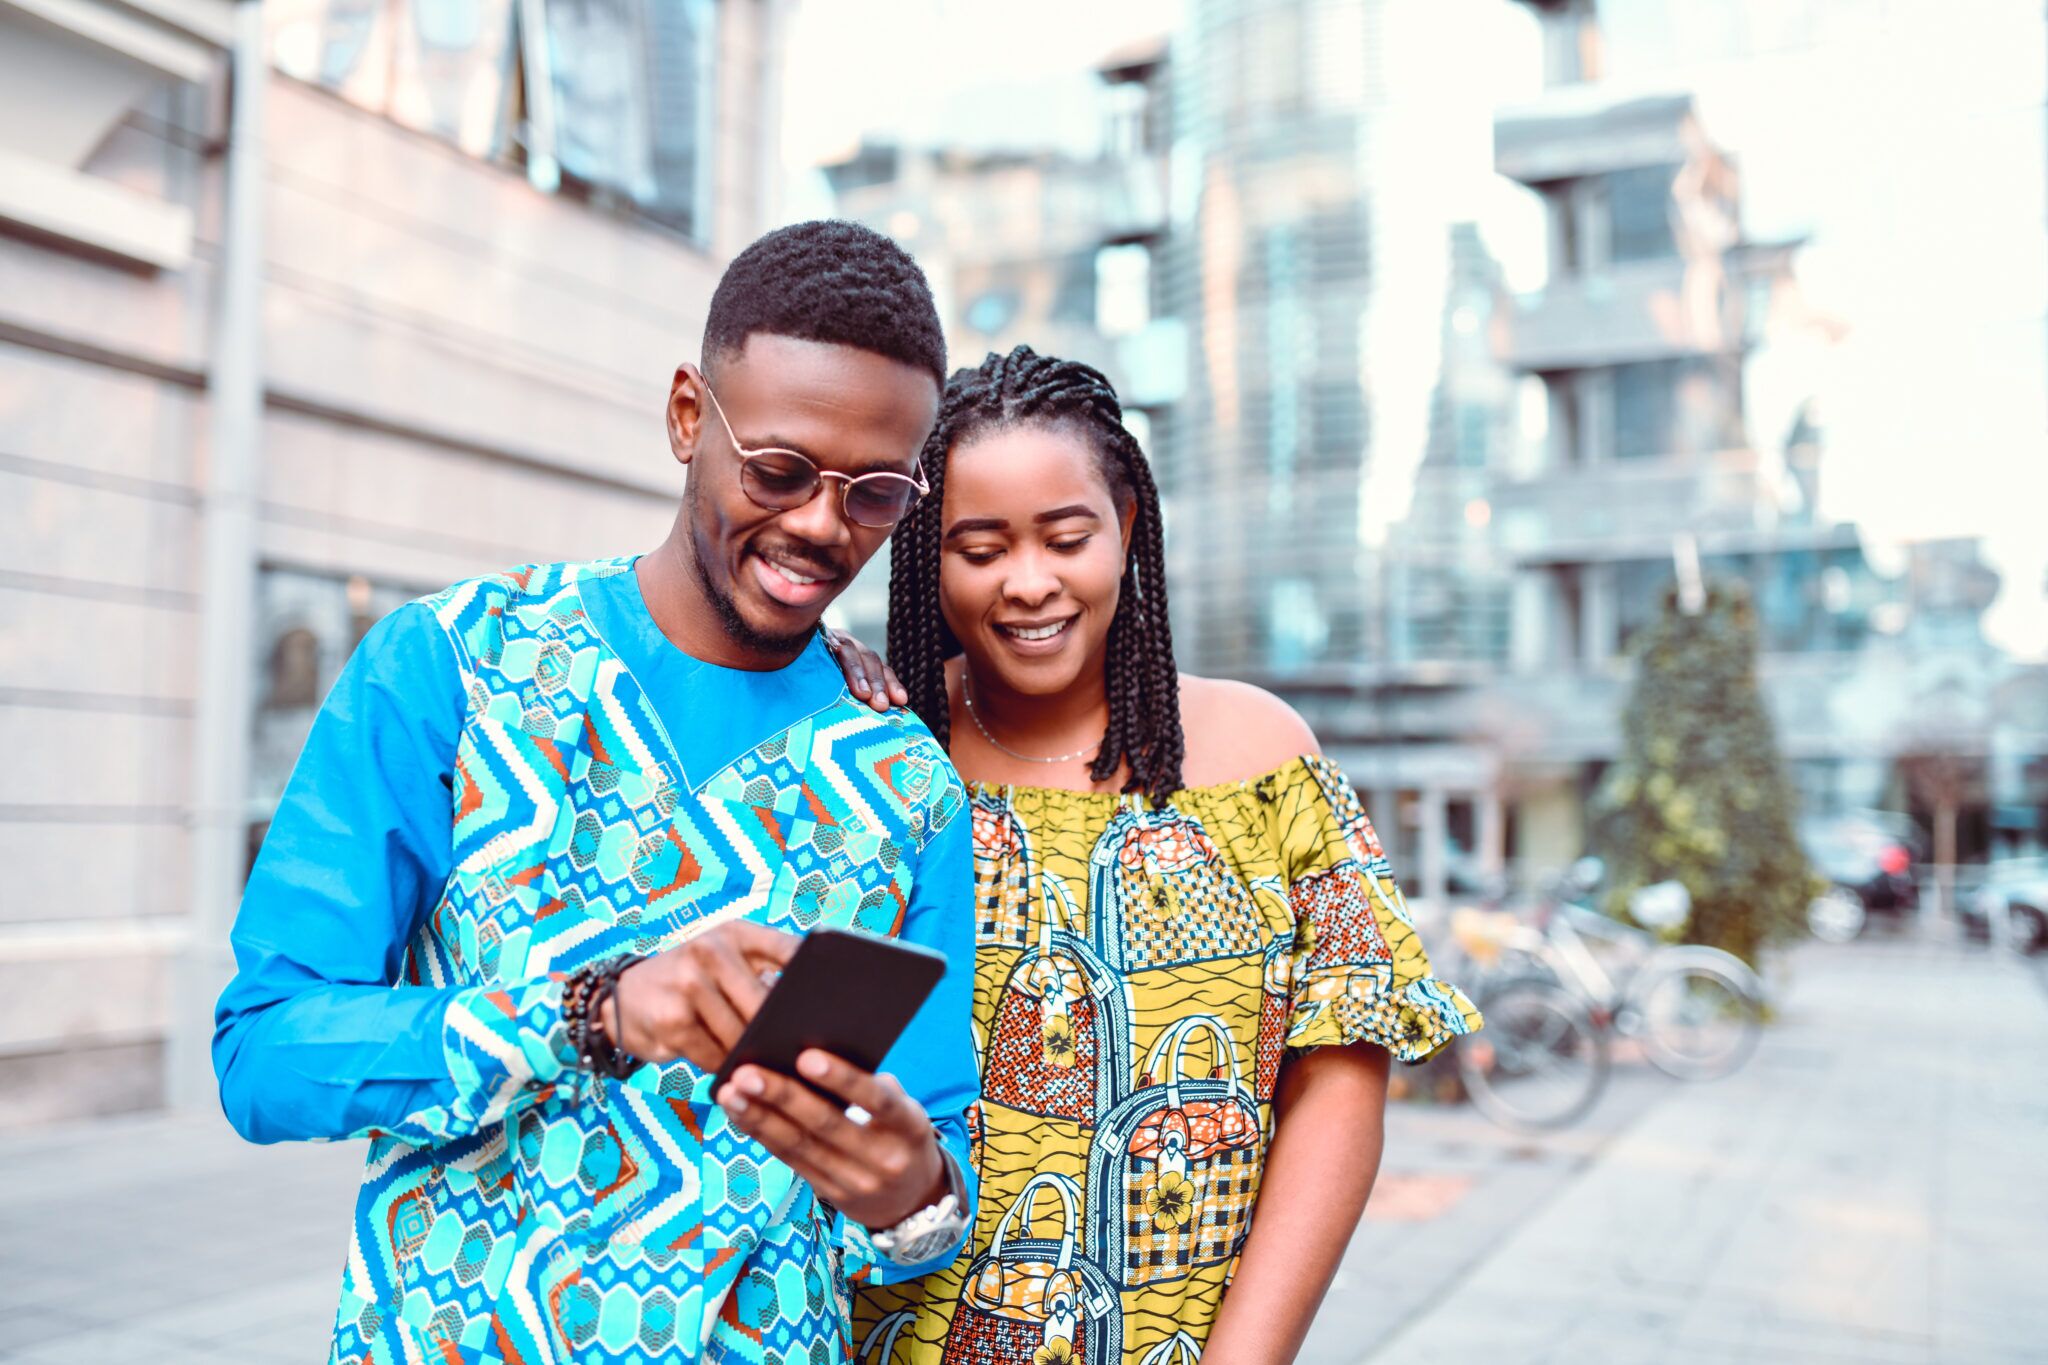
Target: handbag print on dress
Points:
(1036, 1300)
(1173, 1170)
(1062, 1032)
(878, 1347)
(1161, 894)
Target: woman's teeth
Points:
(1037, 632)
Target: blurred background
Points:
(1470, 339)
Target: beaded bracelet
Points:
(583, 1000)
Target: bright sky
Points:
(952, 72)
(1905, 138)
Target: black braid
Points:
(1141, 679)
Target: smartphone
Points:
(848, 993)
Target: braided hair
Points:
(1022, 389)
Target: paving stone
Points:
(1859, 1193)
(1866, 1190)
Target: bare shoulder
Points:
(1236, 731)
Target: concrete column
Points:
(1434, 834)
(228, 585)
(1598, 626)
(1596, 416)
(1382, 807)
(1529, 621)
(1492, 832)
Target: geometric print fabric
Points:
(544, 1214)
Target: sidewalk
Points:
(171, 1241)
(1870, 1189)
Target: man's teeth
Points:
(1039, 632)
(791, 574)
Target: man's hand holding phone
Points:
(877, 1167)
(695, 1000)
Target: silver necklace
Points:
(967, 695)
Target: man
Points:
(548, 834)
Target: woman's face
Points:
(1031, 558)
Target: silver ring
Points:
(857, 1116)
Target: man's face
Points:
(770, 575)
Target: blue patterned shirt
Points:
(510, 779)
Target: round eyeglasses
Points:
(779, 480)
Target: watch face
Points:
(925, 1246)
(913, 1244)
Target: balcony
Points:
(1588, 130)
(1639, 310)
(1631, 509)
(70, 72)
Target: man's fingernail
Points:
(733, 1100)
(814, 1066)
(752, 1084)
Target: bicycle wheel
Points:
(1697, 1021)
(1540, 1062)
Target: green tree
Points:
(1700, 794)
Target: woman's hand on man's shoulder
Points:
(1236, 731)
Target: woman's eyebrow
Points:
(969, 525)
(1078, 509)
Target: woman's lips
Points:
(1034, 638)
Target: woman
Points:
(1193, 964)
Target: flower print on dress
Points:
(1059, 1040)
(1171, 1200)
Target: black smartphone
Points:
(849, 993)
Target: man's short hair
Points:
(833, 281)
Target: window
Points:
(992, 311)
(1138, 422)
(1123, 289)
(1646, 409)
(1567, 247)
(294, 673)
(1296, 628)
(1567, 426)
(307, 625)
(609, 100)
(1074, 299)
(1639, 214)
(1474, 435)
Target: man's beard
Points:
(742, 631)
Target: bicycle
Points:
(1542, 1060)
(1696, 1010)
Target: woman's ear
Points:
(1127, 519)
(685, 411)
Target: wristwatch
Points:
(931, 1229)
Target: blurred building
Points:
(1270, 267)
(1446, 584)
(267, 371)
(1605, 448)
(1040, 247)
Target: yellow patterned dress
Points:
(1140, 975)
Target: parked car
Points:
(2018, 889)
(1868, 858)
